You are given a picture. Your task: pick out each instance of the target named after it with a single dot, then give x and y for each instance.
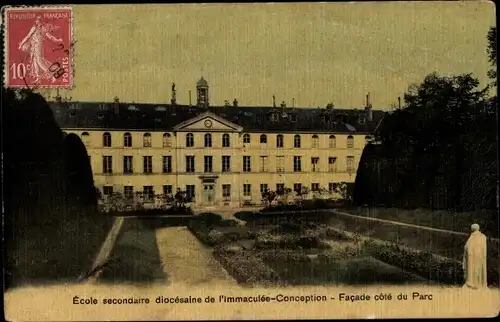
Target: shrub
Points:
(284, 255)
(342, 253)
(246, 268)
(337, 234)
(308, 239)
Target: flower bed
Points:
(186, 211)
(217, 232)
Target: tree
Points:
(492, 54)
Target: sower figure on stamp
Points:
(474, 261)
(33, 44)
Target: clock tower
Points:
(202, 93)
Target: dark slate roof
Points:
(163, 117)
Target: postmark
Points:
(38, 47)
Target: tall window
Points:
(263, 139)
(208, 140)
(297, 187)
(350, 142)
(332, 186)
(127, 140)
(208, 163)
(226, 163)
(280, 163)
(189, 140)
(167, 190)
(279, 141)
(167, 164)
(315, 141)
(107, 164)
(106, 140)
(146, 140)
(247, 164)
(85, 138)
(314, 186)
(296, 141)
(226, 143)
(226, 192)
(315, 164)
(190, 192)
(263, 188)
(167, 140)
(247, 190)
(297, 164)
(264, 163)
(332, 142)
(107, 191)
(190, 163)
(246, 138)
(332, 164)
(128, 192)
(149, 193)
(147, 162)
(350, 164)
(280, 187)
(128, 165)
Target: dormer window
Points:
(132, 108)
(102, 106)
(274, 117)
(361, 119)
(73, 106)
(160, 109)
(326, 118)
(293, 117)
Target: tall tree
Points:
(492, 54)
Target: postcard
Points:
(250, 161)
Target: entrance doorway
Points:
(208, 194)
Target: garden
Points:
(315, 249)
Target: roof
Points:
(202, 83)
(164, 117)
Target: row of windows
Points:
(149, 192)
(226, 142)
(208, 164)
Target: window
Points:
(296, 141)
(146, 140)
(264, 164)
(190, 163)
(246, 138)
(107, 191)
(85, 138)
(127, 140)
(315, 141)
(263, 139)
(167, 140)
(247, 164)
(368, 139)
(293, 117)
(128, 192)
(315, 164)
(314, 186)
(167, 164)
(332, 186)
(280, 163)
(247, 190)
(167, 190)
(147, 164)
(208, 140)
(128, 165)
(274, 117)
(107, 164)
(106, 140)
(297, 164)
(226, 143)
(226, 192)
(189, 140)
(350, 164)
(350, 142)
(280, 187)
(208, 163)
(263, 188)
(226, 163)
(149, 193)
(297, 187)
(279, 141)
(332, 164)
(190, 192)
(332, 142)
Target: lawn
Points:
(306, 251)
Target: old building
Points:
(221, 155)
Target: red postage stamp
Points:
(38, 47)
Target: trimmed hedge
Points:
(246, 268)
(305, 205)
(221, 232)
(153, 212)
(307, 239)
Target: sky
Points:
(307, 53)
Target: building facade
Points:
(220, 155)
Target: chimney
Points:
(235, 103)
(58, 97)
(190, 98)
(173, 100)
(293, 102)
(399, 102)
(368, 108)
(116, 103)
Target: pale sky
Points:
(313, 52)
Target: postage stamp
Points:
(38, 47)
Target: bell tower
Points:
(202, 93)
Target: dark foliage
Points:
(492, 54)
